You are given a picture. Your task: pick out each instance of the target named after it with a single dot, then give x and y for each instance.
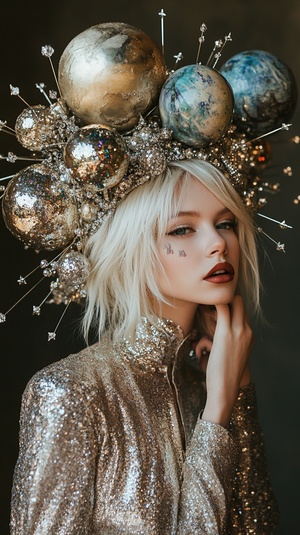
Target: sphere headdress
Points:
(117, 120)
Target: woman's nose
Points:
(216, 244)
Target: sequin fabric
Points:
(111, 443)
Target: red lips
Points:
(222, 272)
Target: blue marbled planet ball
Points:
(264, 88)
(196, 103)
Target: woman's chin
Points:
(220, 300)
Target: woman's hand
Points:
(228, 343)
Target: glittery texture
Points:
(96, 156)
(111, 442)
(39, 208)
(254, 508)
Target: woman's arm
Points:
(226, 488)
(227, 367)
(208, 473)
(54, 477)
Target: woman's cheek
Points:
(170, 249)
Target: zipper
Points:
(170, 376)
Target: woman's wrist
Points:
(218, 409)
(246, 377)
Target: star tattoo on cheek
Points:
(168, 248)
(182, 253)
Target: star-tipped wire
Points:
(162, 15)
(217, 50)
(284, 126)
(178, 57)
(219, 53)
(7, 129)
(5, 177)
(3, 315)
(48, 51)
(12, 158)
(15, 92)
(52, 334)
(44, 265)
(41, 86)
(282, 224)
(279, 246)
(36, 310)
(218, 44)
(203, 29)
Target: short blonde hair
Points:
(124, 255)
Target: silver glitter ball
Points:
(39, 209)
(111, 74)
(73, 269)
(97, 156)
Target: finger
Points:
(223, 316)
(238, 314)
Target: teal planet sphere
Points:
(264, 88)
(196, 103)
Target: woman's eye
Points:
(226, 225)
(180, 231)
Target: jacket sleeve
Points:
(54, 476)
(253, 507)
(207, 478)
(226, 488)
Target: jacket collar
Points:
(155, 346)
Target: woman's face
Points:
(199, 253)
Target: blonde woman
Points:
(154, 429)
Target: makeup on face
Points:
(168, 248)
(199, 254)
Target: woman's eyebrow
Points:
(198, 214)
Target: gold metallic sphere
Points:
(111, 74)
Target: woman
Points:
(154, 429)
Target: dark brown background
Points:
(265, 25)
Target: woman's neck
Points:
(182, 315)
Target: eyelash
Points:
(228, 224)
(225, 225)
(176, 231)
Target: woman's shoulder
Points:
(77, 372)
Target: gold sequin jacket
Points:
(111, 442)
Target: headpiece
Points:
(117, 120)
